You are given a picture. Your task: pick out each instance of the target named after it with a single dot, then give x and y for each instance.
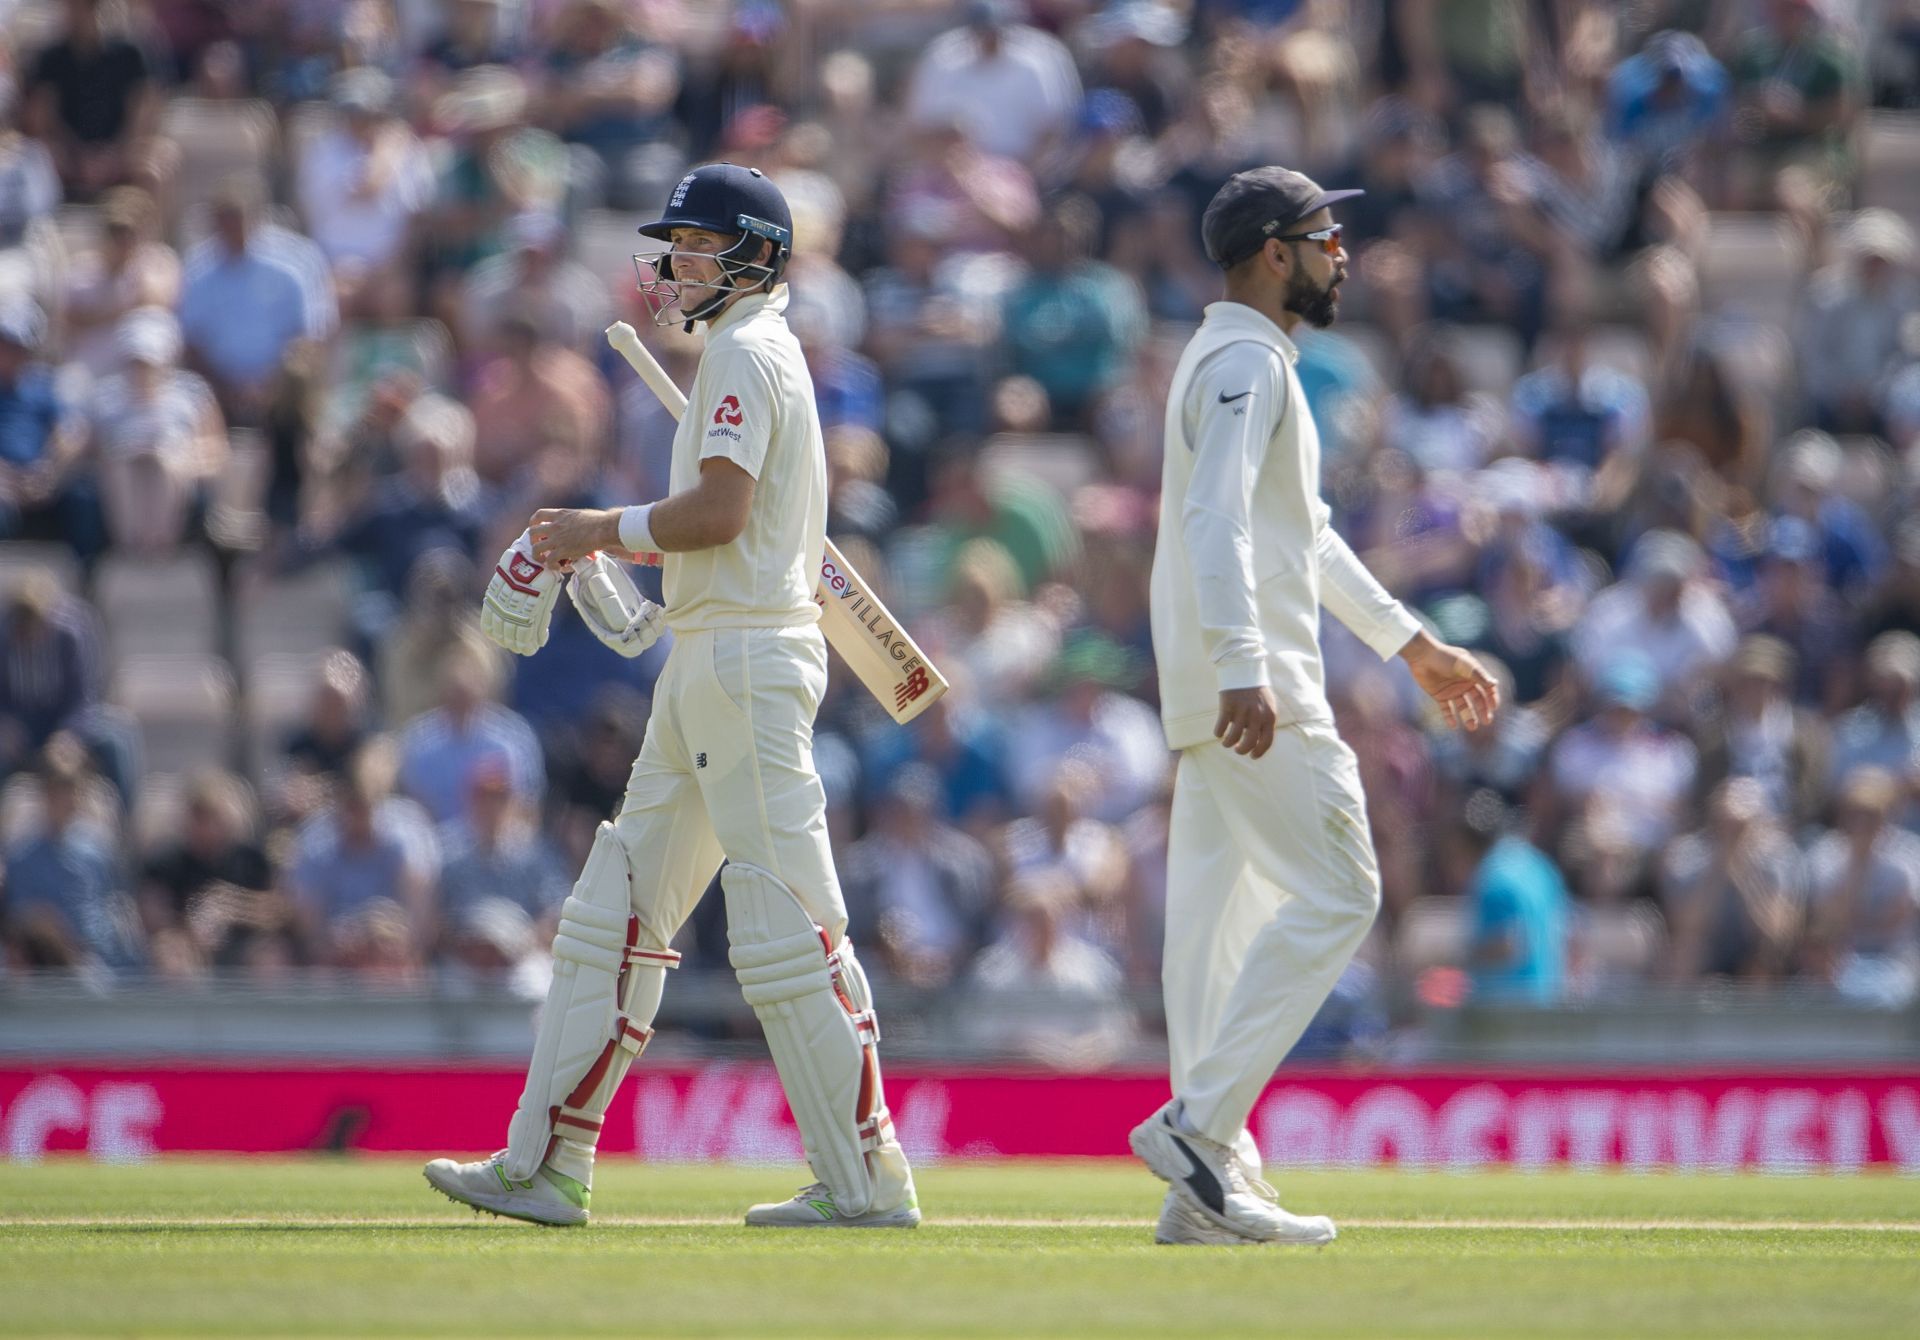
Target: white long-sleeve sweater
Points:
(1246, 555)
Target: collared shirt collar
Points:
(1240, 313)
(774, 302)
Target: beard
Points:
(1315, 305)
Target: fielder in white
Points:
(727, 766)
(1271, 878)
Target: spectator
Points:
(1396, 778)
(567, 301)
(1884, 731)
(251, 290)
(475, 34)
(1578, 414)
(1791, 603)
(92, 100)
(1734, 891)
(1863, 932)
(496, 853)
(1437, 420)
(41, 441)
(1669, 102)
(375, 944)
(606, 87)
(1714, 407)
(1075, 323)
(535, 392)
(858, 503)
(932, 318)
(1761, 733)
(593, 763)
(1087, 717)
(1797, 86)
(1486, 254)
(1849, 336)
(369, 849)
(1621, 768)
(51, 678)
(1061, 843)
(498, 167)
(439, 615)
(995, 636)
(979, 201)
(826, 315)
(215, 884)
(362, 182)
(1460, 54)
(1013, 89)
(433, 503)
(494, 951)
(65, 899)
(158, 436)
(1588, 190)
(29, 186)
(443, 752)
(1043, 993)
(964, 748)
(1807, 488)
(1663, 612)
(317, 755)
(1134, 48)
(130, 269)
(922, 885)
(1534, 588)
(1518, 910)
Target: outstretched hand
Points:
(1452, 676)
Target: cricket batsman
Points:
(726, 770)
(1271, 877)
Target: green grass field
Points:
(236, 1247)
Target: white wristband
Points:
(636, 536)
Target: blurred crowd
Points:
(306, 296)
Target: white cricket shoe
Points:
(1181, 1226)
(1209, 1180)
(545, 1198)
(813, 1207)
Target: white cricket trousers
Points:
(727, 770)
(1271, 886)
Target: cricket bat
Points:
(857, 625)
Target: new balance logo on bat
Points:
(911, 687)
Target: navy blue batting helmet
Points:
(727, 198)
(733, 200)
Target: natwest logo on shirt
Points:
(729, 411)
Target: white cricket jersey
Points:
(1246, 555)
(752, 402)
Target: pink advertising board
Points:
(1826, 1121)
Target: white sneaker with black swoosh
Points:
(1180, 1225)
(1210, 1182)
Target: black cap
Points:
(1256, 205)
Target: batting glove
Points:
(612, 607)
(519, 599)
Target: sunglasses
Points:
(1328, 238)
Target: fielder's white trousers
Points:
(727, 770)
(1271, 886)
